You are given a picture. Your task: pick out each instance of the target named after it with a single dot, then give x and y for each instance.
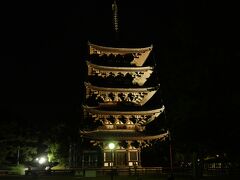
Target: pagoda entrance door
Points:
(121, 159)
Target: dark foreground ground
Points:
(114, 178)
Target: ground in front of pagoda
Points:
(152, 177)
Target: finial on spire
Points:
(115, 18)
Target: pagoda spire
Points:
(115, 19)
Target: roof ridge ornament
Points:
(115, 19)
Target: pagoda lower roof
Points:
(123, 110)
(127, 135)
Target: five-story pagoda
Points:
(117, 110)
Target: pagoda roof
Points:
(140, 54)
(117, 50)
(140, 95)
(120, 111)
(138, 89)
(126, 135)
(126, 69)
(139, 75)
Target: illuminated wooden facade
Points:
(114, 110)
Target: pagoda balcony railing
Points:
(104, 95)
(139, 54)
(139, 75)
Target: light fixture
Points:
(111, 146)
(42, 160)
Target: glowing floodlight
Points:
(111, 146)
(42, 160)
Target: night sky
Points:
(196, 46)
